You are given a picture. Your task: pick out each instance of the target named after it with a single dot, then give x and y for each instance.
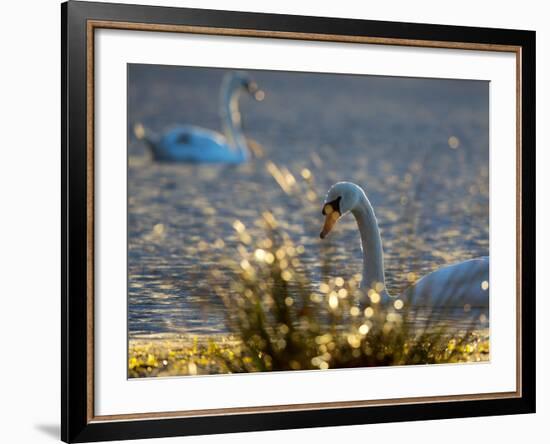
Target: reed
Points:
(284, 321)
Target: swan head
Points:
(341, 198)
(242, 80)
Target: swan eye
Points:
(332, 206)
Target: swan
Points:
(452, 286)
(189, 143)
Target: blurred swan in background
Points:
(189, 143)
(458, 285)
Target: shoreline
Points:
(161, 355)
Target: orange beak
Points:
(331, 217)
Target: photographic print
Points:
(256, 201)
(286, 221)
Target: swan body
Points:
(464, 283)
(457, 285)
(189, 143)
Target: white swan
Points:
(189, 143)
(457, 285)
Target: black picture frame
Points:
(76, 423)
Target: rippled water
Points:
(389, 135)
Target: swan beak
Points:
(330, 220)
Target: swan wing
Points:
(457, 285)
(194, 144)
(193, 137)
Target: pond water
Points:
(419, 148)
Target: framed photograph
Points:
(276, 221)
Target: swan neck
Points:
(231, 117)
(371, 243)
